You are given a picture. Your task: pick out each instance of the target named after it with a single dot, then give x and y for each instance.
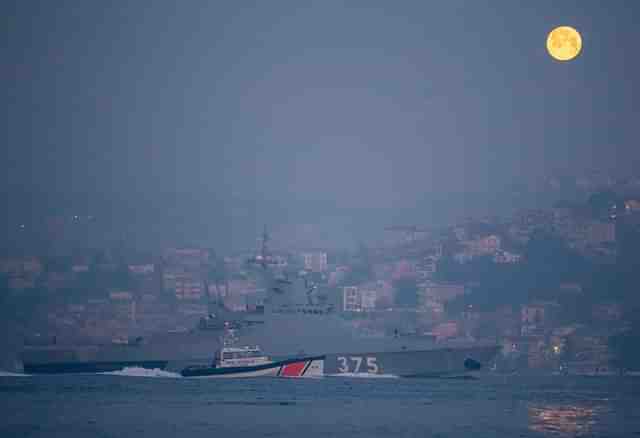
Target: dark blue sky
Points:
(199, 116)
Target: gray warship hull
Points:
(285, 329)
(383, 356)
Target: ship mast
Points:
(263, 256)
(264, 252)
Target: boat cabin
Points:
(241, 357)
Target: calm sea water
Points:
(162, 405)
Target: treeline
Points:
(548, 262)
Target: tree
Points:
(383, 303)
(4, 287)
(361, 270)
(406, 291)
(624, 349)
(549, 261)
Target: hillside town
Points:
(556, 287)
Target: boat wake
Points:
(364, 375)
(10, 374)
(143, 372)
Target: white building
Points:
(487, 245)
(186, 257)
(506, 257)
(632, 205)
(351, 299)
(184, 285)
(147, 268)
(315, 261)
(359, 300)
(442, 292)
(368, 299)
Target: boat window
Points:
(231, 355)
(251, 354)
(241, 354)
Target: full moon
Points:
(564, 43)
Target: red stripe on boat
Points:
(293, 369)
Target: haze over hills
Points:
(231, 225)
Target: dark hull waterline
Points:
(90, 367)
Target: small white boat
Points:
(252, 362)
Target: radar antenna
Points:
(310, 289)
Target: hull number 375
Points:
(357, 364)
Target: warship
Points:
(289, 324)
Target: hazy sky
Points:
(200, 115)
